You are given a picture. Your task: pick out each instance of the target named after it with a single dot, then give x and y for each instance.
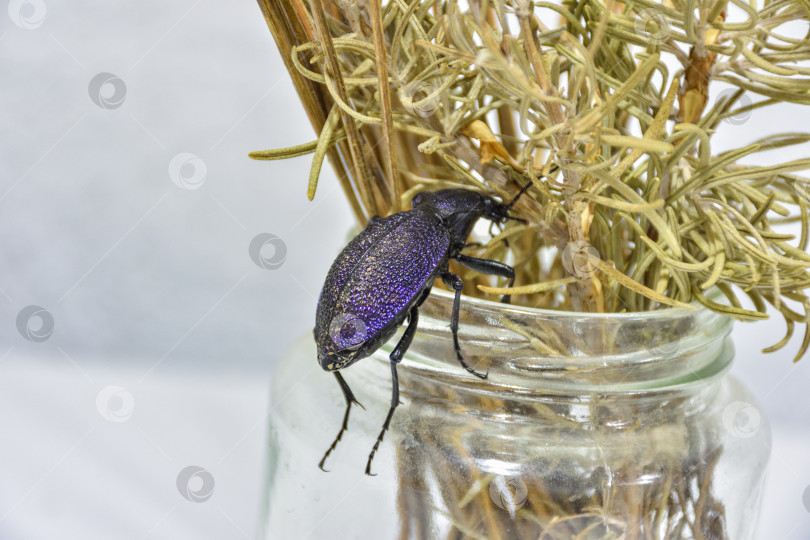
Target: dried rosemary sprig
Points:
(638, 210)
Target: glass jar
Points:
(588, 426)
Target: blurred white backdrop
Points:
(127, 207)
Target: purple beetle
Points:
(386, 272)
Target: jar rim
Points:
(668, 312)
(538, 349)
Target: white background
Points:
(165, 331)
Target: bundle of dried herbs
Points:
(606, 112)
(604, 107)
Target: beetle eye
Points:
(417, 199)
(491, 210)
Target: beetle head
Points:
(499, 212)
(461, 208)
(453, 203)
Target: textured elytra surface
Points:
(377, 278)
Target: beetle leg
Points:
(396, 358)
(424, 297)
(492, 224)
(407, 337)
(454, 282)
(347, 393)
(486, 266)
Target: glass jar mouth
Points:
(712, 294)
(529, 349)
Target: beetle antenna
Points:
(513, 201)
(525, 222)
(522, 191)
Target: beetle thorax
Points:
(447, 202)
(458, 208)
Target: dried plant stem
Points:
(587, 293)
(353, 136)
(608, 115)
(385, 104)
(289, 28)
